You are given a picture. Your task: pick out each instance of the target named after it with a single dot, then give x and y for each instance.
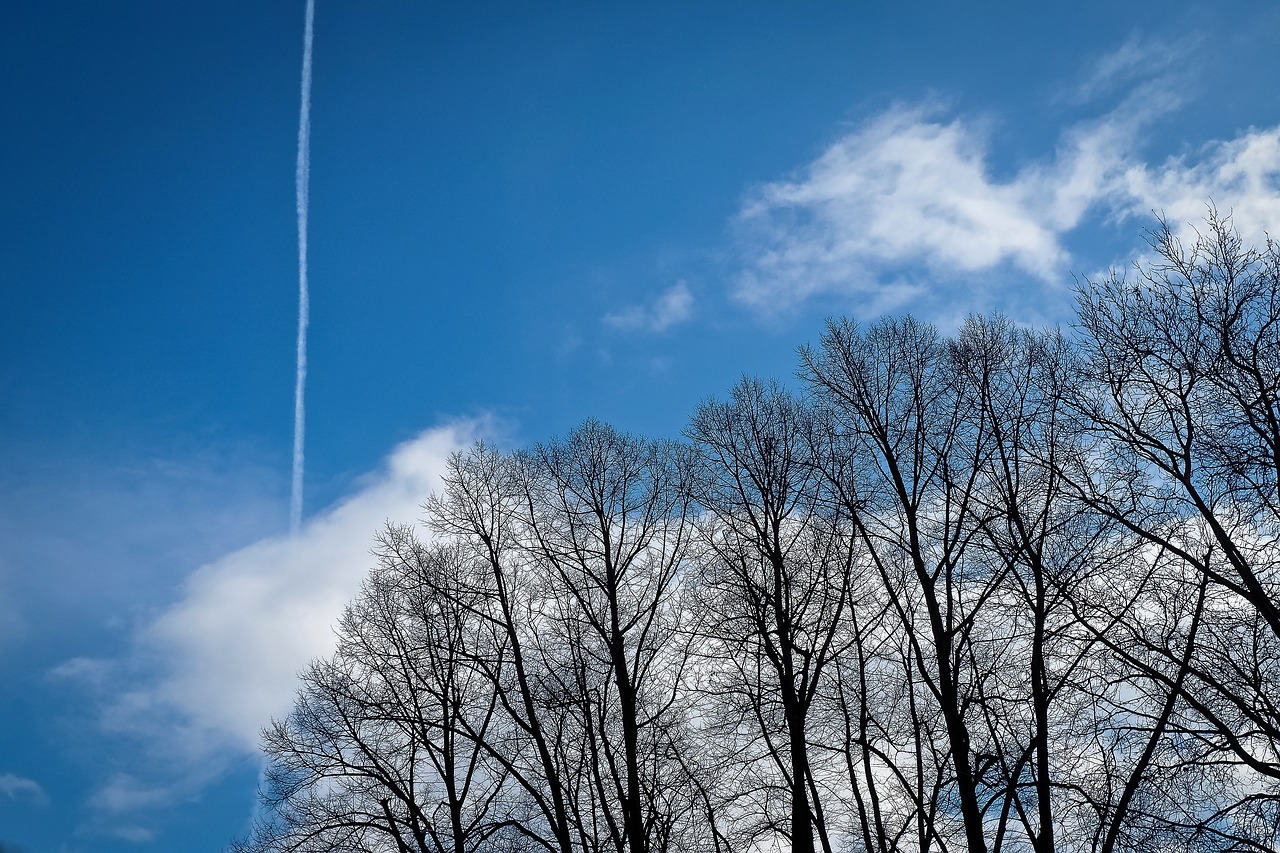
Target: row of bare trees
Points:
(1002, 590)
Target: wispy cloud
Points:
(133, 834)
(1138, 61)
(1240, 176)
(123, 792)
(910, 196)
(141, 520)
(670, 308)
(20, 788)
(12, 623)
(911, 188)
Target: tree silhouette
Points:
(999, 590)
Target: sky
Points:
(521, 216)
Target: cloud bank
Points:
(230, 649)
(209, 671)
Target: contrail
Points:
(302, 183)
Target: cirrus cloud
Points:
(17, 787)
(670, 308)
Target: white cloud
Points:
(124, 792)
(209, 671)
(1240, 176)
(672, 307)
(909, 196)
(1139, 59)
(908, 189)
(247, 623)
(21, 788)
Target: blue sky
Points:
(520, 217)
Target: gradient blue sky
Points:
(521, 216)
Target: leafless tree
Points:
(776, 587)
(607, 520)
(381, 750)
(583, 543)
(1003, 590)
(480, 509)
(1181, 390)
(896, 397)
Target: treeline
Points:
(1002, 590)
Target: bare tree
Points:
(380, 751)
(903, 395)
(479, 509)
(776, 585)
(607, 521)
(999, 591)
(582, 546)
(1181, 390)
(1073, 581)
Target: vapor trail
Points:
(302, 184)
